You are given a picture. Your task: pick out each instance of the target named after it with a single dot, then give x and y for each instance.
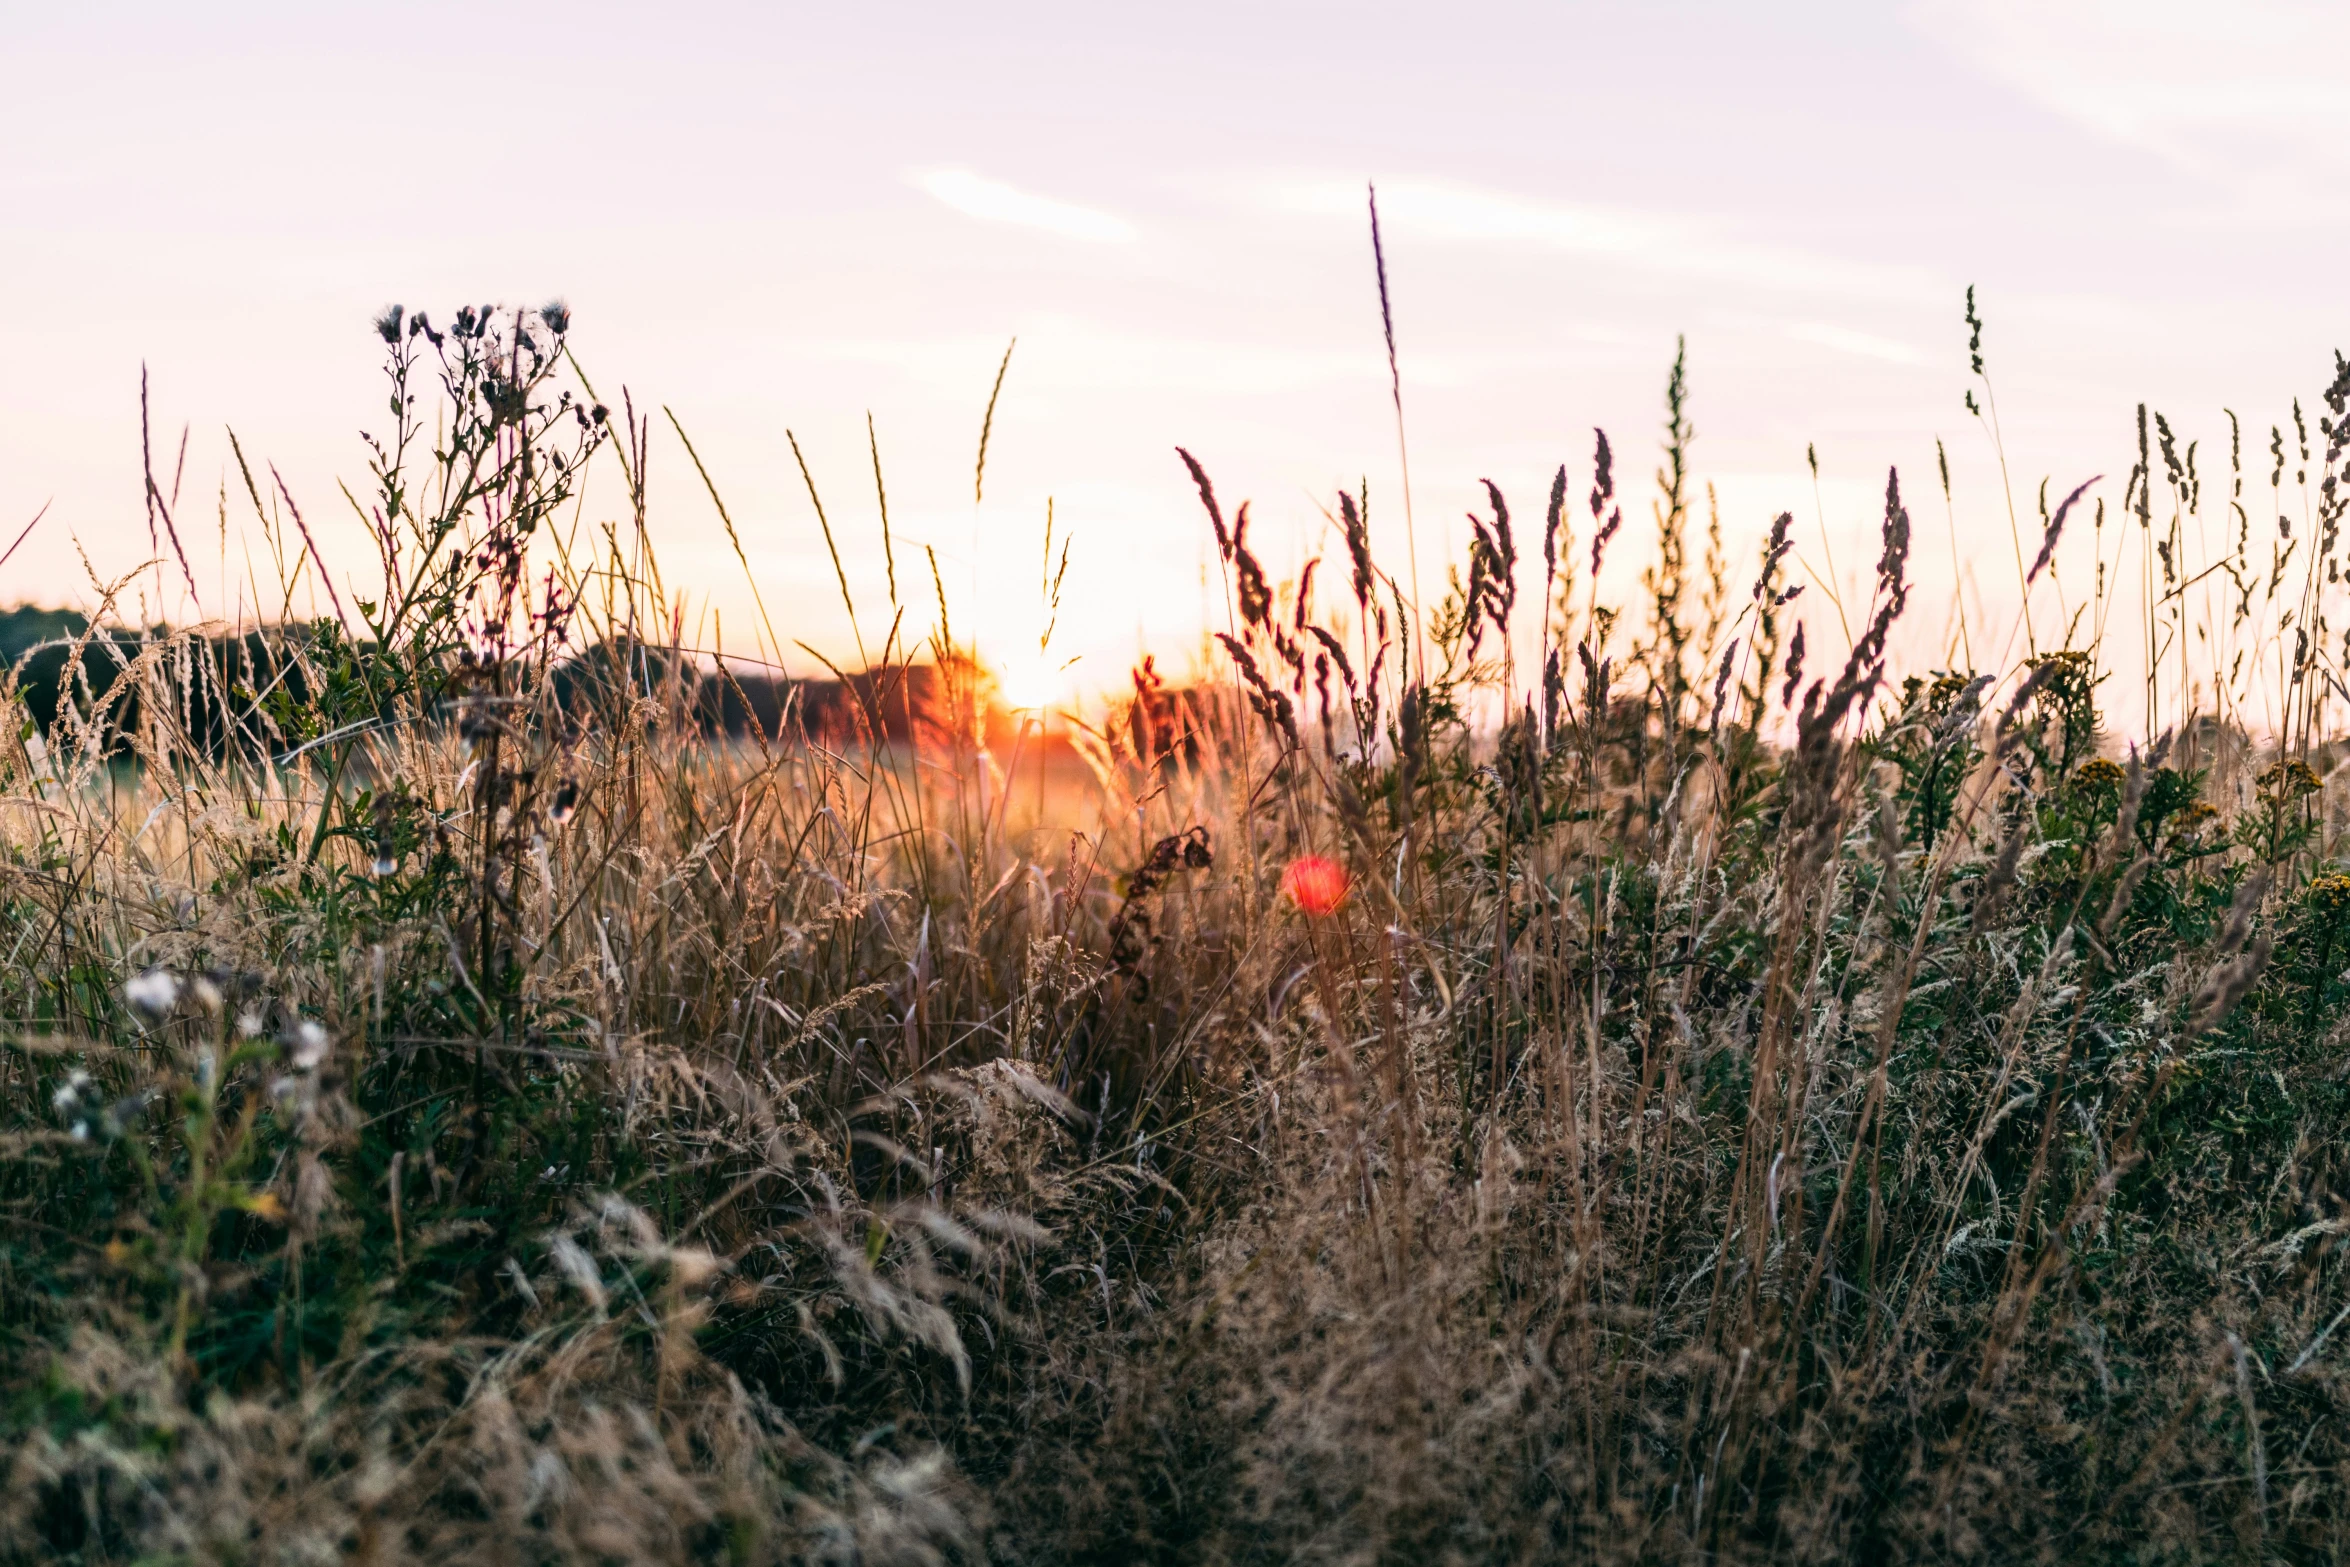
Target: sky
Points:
(783, 217)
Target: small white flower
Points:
(207, 993)
(155, 992)
(249, 1022)
(306, 1047)
(81, 1131)
(69, 1093)
(384, 865)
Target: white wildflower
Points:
(69, 1093)
(306, 1046)
(155, 992)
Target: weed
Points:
(485, 1081)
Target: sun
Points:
(1030, 681)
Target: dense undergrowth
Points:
(459, 1110)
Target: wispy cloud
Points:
(976, 196)
(2250, 92)
(1666, 242)
(1862, 345)
(1067, 355)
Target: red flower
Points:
(1316, 885)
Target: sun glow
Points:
(1031, 681)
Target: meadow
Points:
(1556, 1078)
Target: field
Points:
(1572, 1081)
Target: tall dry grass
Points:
(460, 1109)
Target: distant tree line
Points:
(257, 686)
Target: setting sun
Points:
(1029, 681)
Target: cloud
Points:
(1657, 242)
(1070, 355)
(995, 202)
(1863, 345)
(2250, 93)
